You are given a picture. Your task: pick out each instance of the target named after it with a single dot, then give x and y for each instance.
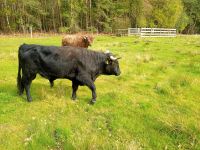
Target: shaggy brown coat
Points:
(77, 40)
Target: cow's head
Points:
(87, 40)
(112, 65)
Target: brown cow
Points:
(77, 40)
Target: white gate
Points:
(147, 32)
(157, 32)
(134, 31)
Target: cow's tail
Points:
(19, 78)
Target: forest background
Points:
(71, 16)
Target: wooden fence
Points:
(122, 32)
(147, 32)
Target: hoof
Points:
(92, 102)
(29, 100)
(20, 93)
(73, 98)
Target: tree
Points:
(102, 15)
(192, 9)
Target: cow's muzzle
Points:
(118, 73)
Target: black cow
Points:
(79, 65)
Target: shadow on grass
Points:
(39, 91)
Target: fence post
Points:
(31, 31)
(128, 31)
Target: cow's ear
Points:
(91, 38)
(108, 60)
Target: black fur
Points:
(79, 65)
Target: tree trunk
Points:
(7, 18)
(86, 17)
(53, 19)
(90, 14)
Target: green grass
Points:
(154, 104)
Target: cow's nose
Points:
(118, 73)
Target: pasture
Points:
(153, 104)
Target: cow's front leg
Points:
(74, 89)
(89, 83)
(92, 87)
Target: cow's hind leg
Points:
(51, 82)
(27, 84)
(74, 88)
(21, 88)
(94, 95)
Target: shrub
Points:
(63, 30)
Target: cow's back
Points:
(49, 61)
(59, 62)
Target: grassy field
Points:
(154, 104)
